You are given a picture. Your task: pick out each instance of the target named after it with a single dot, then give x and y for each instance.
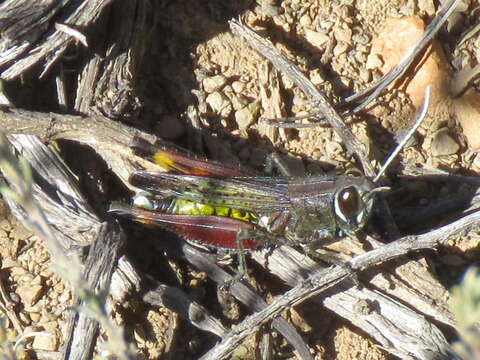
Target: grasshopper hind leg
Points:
(242, 238)
(242, 263)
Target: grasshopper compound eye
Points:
(347, 203)
(352, 205)
(350, 208)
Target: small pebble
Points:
(340, 48)
(373, 62)
(427, 6)
(365, 75)
(214, 83)
(316, 39)
(248, 115)
(239, 102)
(17, 271)
(443, 143)
(467, 109)
(35, 317)
(5, 225)
(268, 8)
(30, 293)
(238, 86)
(327, 25)
(344, 35)
(64, 297)
(409, 8)
(219, 103)
(361, 39)
(46, 342)
(305, 20)
(361, 57)
(8, 263)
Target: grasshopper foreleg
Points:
(242, 235)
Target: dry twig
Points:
(325, 279)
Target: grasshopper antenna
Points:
(408, 135)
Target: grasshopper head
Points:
(353, 203)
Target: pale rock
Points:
(37, 280)
(32, 328)
(35, 308)
(316, 77)
(396, 39)
(247, 116)
(5, 225)
(443, 143)
(326, 25)
(238, 86)
(47, 317)
(408, 9)
(26, 278)
(316, 39)
(239, 102)
(340, 48)
(268, 8)
(373, 62)
(467, 109)
(35, 317)
(214, 83)
(46, 342)
(18, 271)
(364, 75)
(428, 6)
(305, 20)
(64, 297)
(30, 293)
(50, 326)
(8, 263)
(219, 103)
(343, 34)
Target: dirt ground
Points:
(194, 63)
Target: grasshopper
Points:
(225, 207)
